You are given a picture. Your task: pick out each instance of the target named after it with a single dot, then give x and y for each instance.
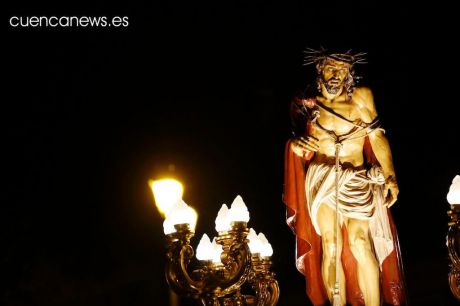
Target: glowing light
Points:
(267, 249)
(453, 197)
(167, 193)
(208, 250)
(255, 245)
(168, 227)
(238, 211)
(205, 249)
(181, 213)
(223, 220)
(217, 251)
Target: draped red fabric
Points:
(308, 246)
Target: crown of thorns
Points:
(313, 56)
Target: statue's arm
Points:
(379, 143)
(301, 143)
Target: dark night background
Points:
(90, 115)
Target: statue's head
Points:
(334, 76)
(335, 71)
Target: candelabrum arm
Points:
(274, 290)
(237, 266)
(213, 282)
(207, 283)
(453, 236)
(267, 290)
(178, 256)
(262, 293)
(263, 282)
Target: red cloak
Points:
(308, 248)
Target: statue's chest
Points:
(335, 124)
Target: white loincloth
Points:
(360, 197)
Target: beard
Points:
(333, 87)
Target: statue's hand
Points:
(391, 191)
(301, 145)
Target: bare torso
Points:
(351, 152)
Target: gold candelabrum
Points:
(453, 237)
(232, 270)
(216, 284)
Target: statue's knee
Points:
(359, 243)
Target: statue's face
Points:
(334, 75)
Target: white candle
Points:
(267, 249)
(238, 211)
(255, 245)
(453, 197)
(181, 213)
(217, 251)
(223, 220)
(205, 249)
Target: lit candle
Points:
(453, 197)
(181, 213)
(222, 220)
(205, 249)
(267, 249)
(168, 227)
(255, 245)
(217, 251)
(167, 193)
(238, 211)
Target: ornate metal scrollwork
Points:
(453, 246)
(220, 284)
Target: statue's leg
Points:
(326, 223)
(368, 267)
